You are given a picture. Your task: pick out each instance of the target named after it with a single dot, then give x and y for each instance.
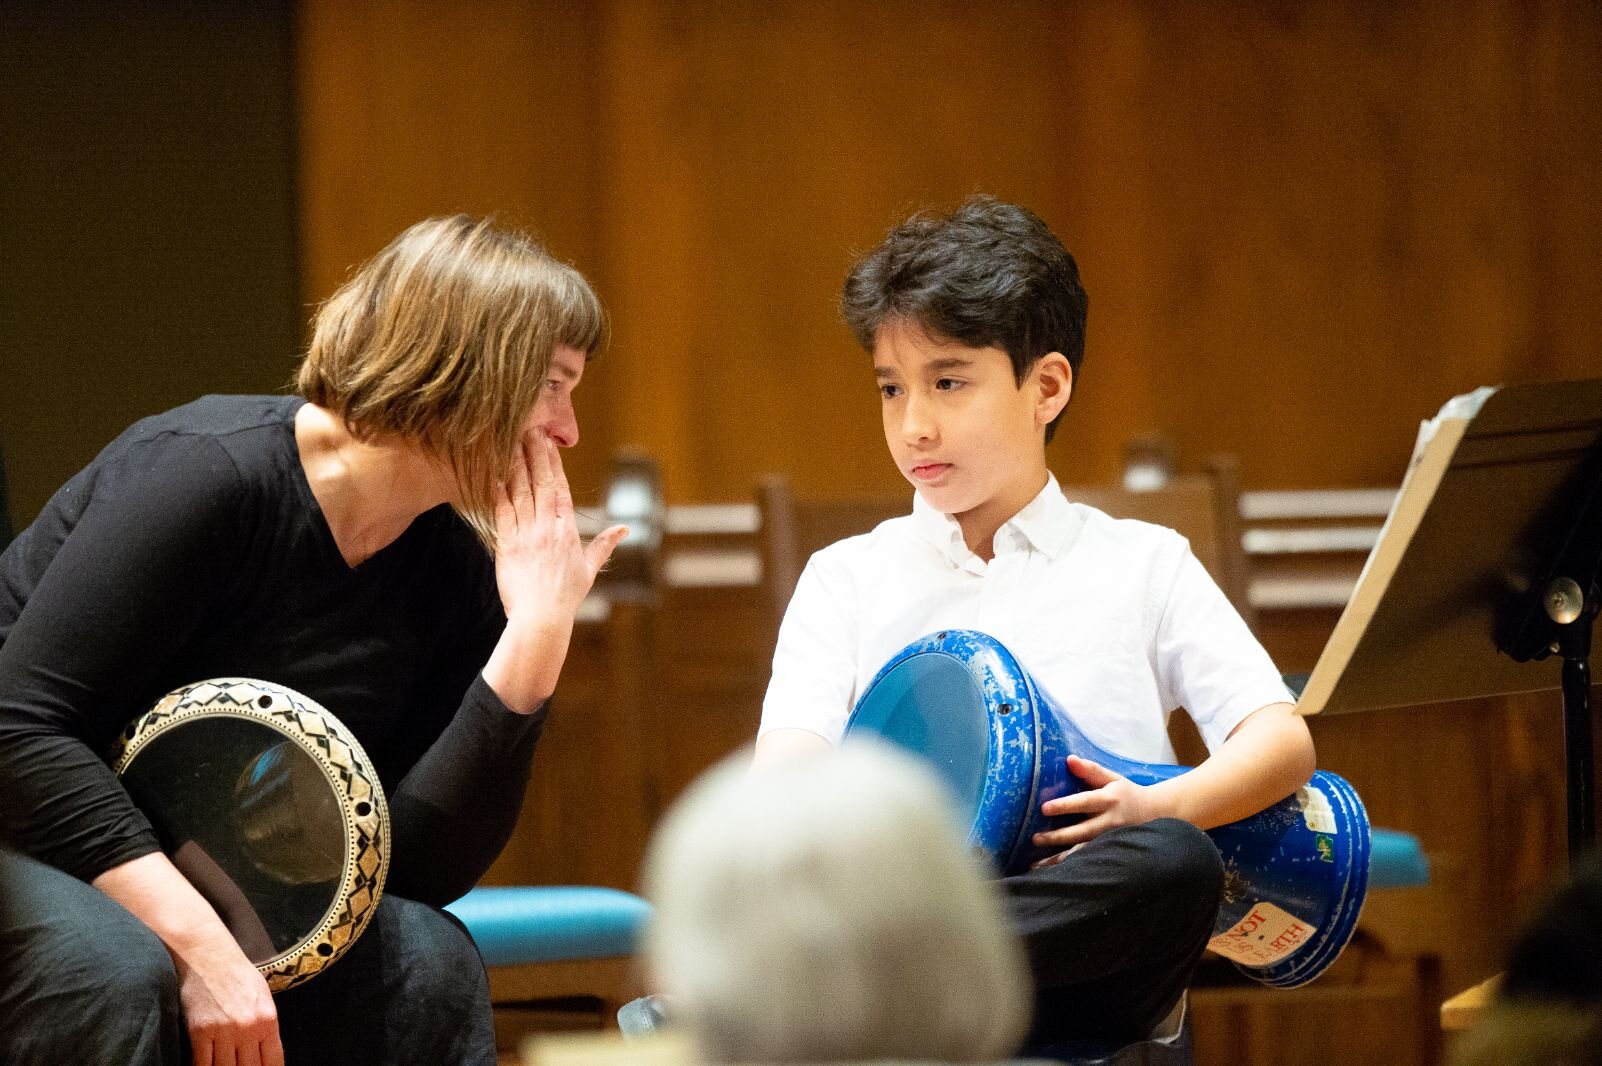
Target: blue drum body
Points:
(1295, 875)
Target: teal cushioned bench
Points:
(518, 925)
(1396, 860)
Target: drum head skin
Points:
(271, 809)
(957, 699)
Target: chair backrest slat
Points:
(1204, 508)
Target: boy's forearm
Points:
(1267, 757)
(783, 745)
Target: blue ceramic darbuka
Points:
(1295, 875)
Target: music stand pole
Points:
(1561, 624)
(1574, 615)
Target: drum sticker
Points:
(1265, 936)
(1236, 884)
(1316, 811)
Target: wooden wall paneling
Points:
(1301, 230)
(706, 683)
(1350, 233)
(591, 804)
(1295, 638)
(1099, 155)
(749, 150)
(409, 110)
(1561, 47)
(1527, 771)
(1321, 1024)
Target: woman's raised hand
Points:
(540, 562)
(544, 571)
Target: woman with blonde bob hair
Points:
(829, 910)
(333, 542)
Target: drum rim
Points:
(1320, 954)
(366, 864)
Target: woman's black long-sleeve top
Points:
(192, 547)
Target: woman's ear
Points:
(1054, 383)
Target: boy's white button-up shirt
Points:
(1115, 618)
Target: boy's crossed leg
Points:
(1114, 932)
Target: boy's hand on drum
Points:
(543, 570)
(1110, 801)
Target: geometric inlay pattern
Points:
(359, 795)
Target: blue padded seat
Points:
(1396, 860)
(517, 925)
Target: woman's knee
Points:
(138, 966)
(92, 982)
(412, 990)
(438, 987)
(114, 969)
(436, 957)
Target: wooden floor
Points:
(513, 1027)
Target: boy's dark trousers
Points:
(84, 981)
(1114, 932)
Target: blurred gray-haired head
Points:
(829, 909)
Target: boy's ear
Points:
(1054, 383)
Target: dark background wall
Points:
(147, 220)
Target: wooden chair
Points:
(1205, 508)
(554, 949)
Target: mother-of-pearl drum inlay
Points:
(271, 809)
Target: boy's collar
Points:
(1048, 523)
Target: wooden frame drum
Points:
(271, 809)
